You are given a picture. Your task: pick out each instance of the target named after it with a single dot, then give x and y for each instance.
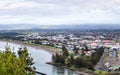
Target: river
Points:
(40, 58)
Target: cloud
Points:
(7, 5)
(49, 12)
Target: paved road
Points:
(100, 64)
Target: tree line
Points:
(71, 60)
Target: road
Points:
(100, 64)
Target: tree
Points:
(88, 63)
(32, 41)
(65, 51)
(53, 58)
(70, 61)
(10, 64)
(24, 57)
(60, 59)
(97, 55)
(75, 49)
(37, 42)
(86, 47)
(79, 62)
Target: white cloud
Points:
(17, 4)
(59, 11)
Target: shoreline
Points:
(77, 71)
(49, 51)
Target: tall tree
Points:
(65, 51)
(70, 61)
(60, 59)
(25, 57)
(10, 64)
(75, 49)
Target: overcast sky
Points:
(49, 12)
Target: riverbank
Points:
(51, 51)
(77, 71)
(46, 48)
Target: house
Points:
(107, 64)
(89, 53)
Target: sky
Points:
(56, 12)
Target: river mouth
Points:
(40, 58)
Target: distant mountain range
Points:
(37, 27)
(16, 26)
(86, 26)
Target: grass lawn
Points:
(43, 46)
(100, 72)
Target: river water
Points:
(40, 57)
